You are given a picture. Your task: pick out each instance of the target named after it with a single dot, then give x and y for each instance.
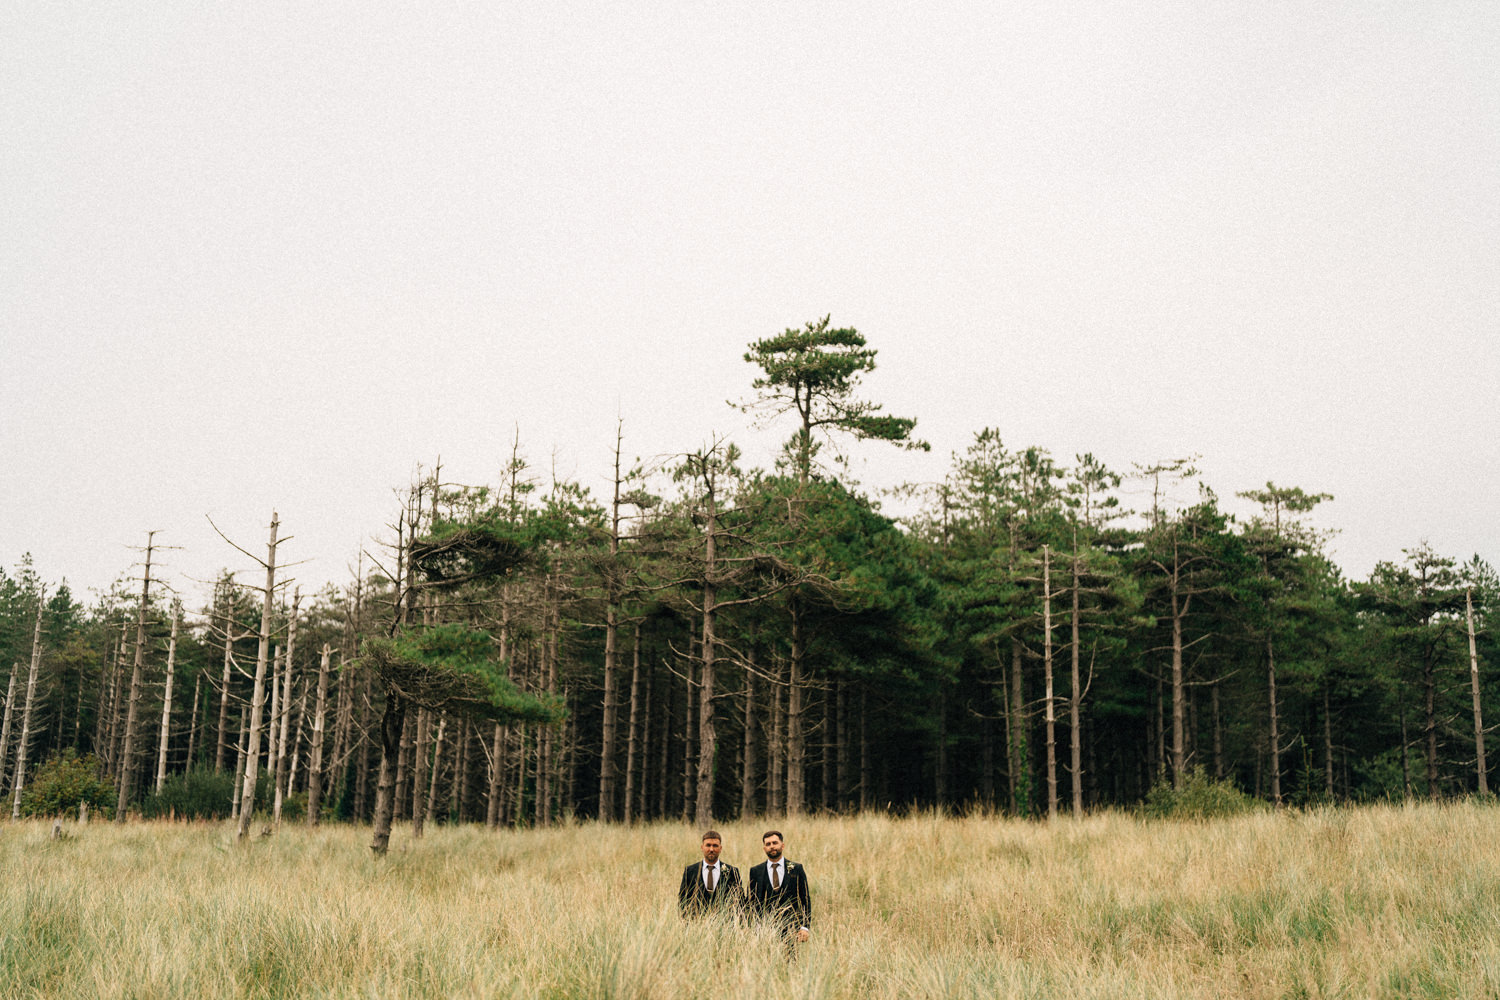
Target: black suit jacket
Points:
(790, 905)
(693, 898)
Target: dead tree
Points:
(36, 662)
(132, 712)
(258, 692)
(166, 703)
(315, 764)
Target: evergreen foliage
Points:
(1020, 639)
(1197, 796)
(454, 666)
(65, 781)
(199, 793)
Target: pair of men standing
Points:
(776, 891)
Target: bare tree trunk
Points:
(1016, 744)
(690, 743)
(513, 807)
(343, 726)
(608, 749)
(497, 775)
(548, 769)
(223, 747)
(21, 744)
(284, 751)
(776, 749)
(273, 718)
(296, 743)
(1482, 772)
(393, 718)
(707, 736)
(796, 745)
(569, 805)
(193, 726)
(541, 778)
(111, 740)
(402, 802)
(132, 713)
(1179, 692)
(101, 717)
(419, 774)
(1075, 693)
(541, 770)
(362, 771)
(517, 808)
(643, 756)
(437, 762)
(258, 691)
(459, 799)
(76, 742)
(1275, 724)
(632, 740)
(1430, 721)
(747, 759)
(166, 704)
(663, 750)
(10, 701)
(703, 792)
(337, 762)
(392, 722)
(501, 739)
(315, 765)
(648, 713)
(1050, 704)
(242, 743)
(549, 750)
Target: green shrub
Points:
(1200, 797)
(203, 793)
(294, 806)
(62, 782)
(197, 793)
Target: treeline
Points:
(710, 641)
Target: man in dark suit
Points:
(779, 893)
(710, 885)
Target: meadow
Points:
(1376, 901)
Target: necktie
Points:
(710, 878)
(776, 876)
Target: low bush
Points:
(62, 782)
(197, 793)
(1199, 797)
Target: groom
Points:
(778, 891)
(709, 884)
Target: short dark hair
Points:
(711, 835)
(771, 833)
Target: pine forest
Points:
(708, 641)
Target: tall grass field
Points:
(1381, 901)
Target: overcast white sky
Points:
(275, 255)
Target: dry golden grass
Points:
(1390, 901)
